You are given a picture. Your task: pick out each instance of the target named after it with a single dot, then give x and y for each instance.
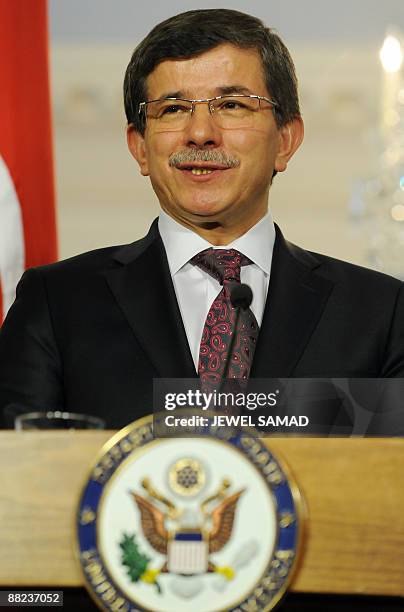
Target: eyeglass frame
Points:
(208, 101)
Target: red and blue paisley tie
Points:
(225, 265)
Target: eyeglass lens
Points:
(227, 111)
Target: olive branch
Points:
(135, 561)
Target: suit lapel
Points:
(296, 299)
(143, 288)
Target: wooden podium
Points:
(354, 490)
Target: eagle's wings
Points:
(152, 524)
(222, 522)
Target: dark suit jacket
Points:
(89, 334)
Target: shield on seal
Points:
(187, 553)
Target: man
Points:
(213, 114)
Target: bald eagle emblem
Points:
(187, 537)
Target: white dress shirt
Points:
(196, 289)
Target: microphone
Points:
(241, 297)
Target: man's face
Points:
(234, 196)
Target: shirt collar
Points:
(181, 243)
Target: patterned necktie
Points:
(224, 265)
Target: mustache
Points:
(203, 155)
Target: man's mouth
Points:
(199, 169)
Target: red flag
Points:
(27, 212)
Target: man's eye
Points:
(173, 109)
(231, 105)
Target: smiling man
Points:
(213, 115)
(211, 162)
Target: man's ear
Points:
(137, 146)
(290, 138)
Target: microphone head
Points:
(241, 296)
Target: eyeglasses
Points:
(228, 112)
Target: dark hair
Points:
(194, 32)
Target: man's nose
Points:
(201, 128)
